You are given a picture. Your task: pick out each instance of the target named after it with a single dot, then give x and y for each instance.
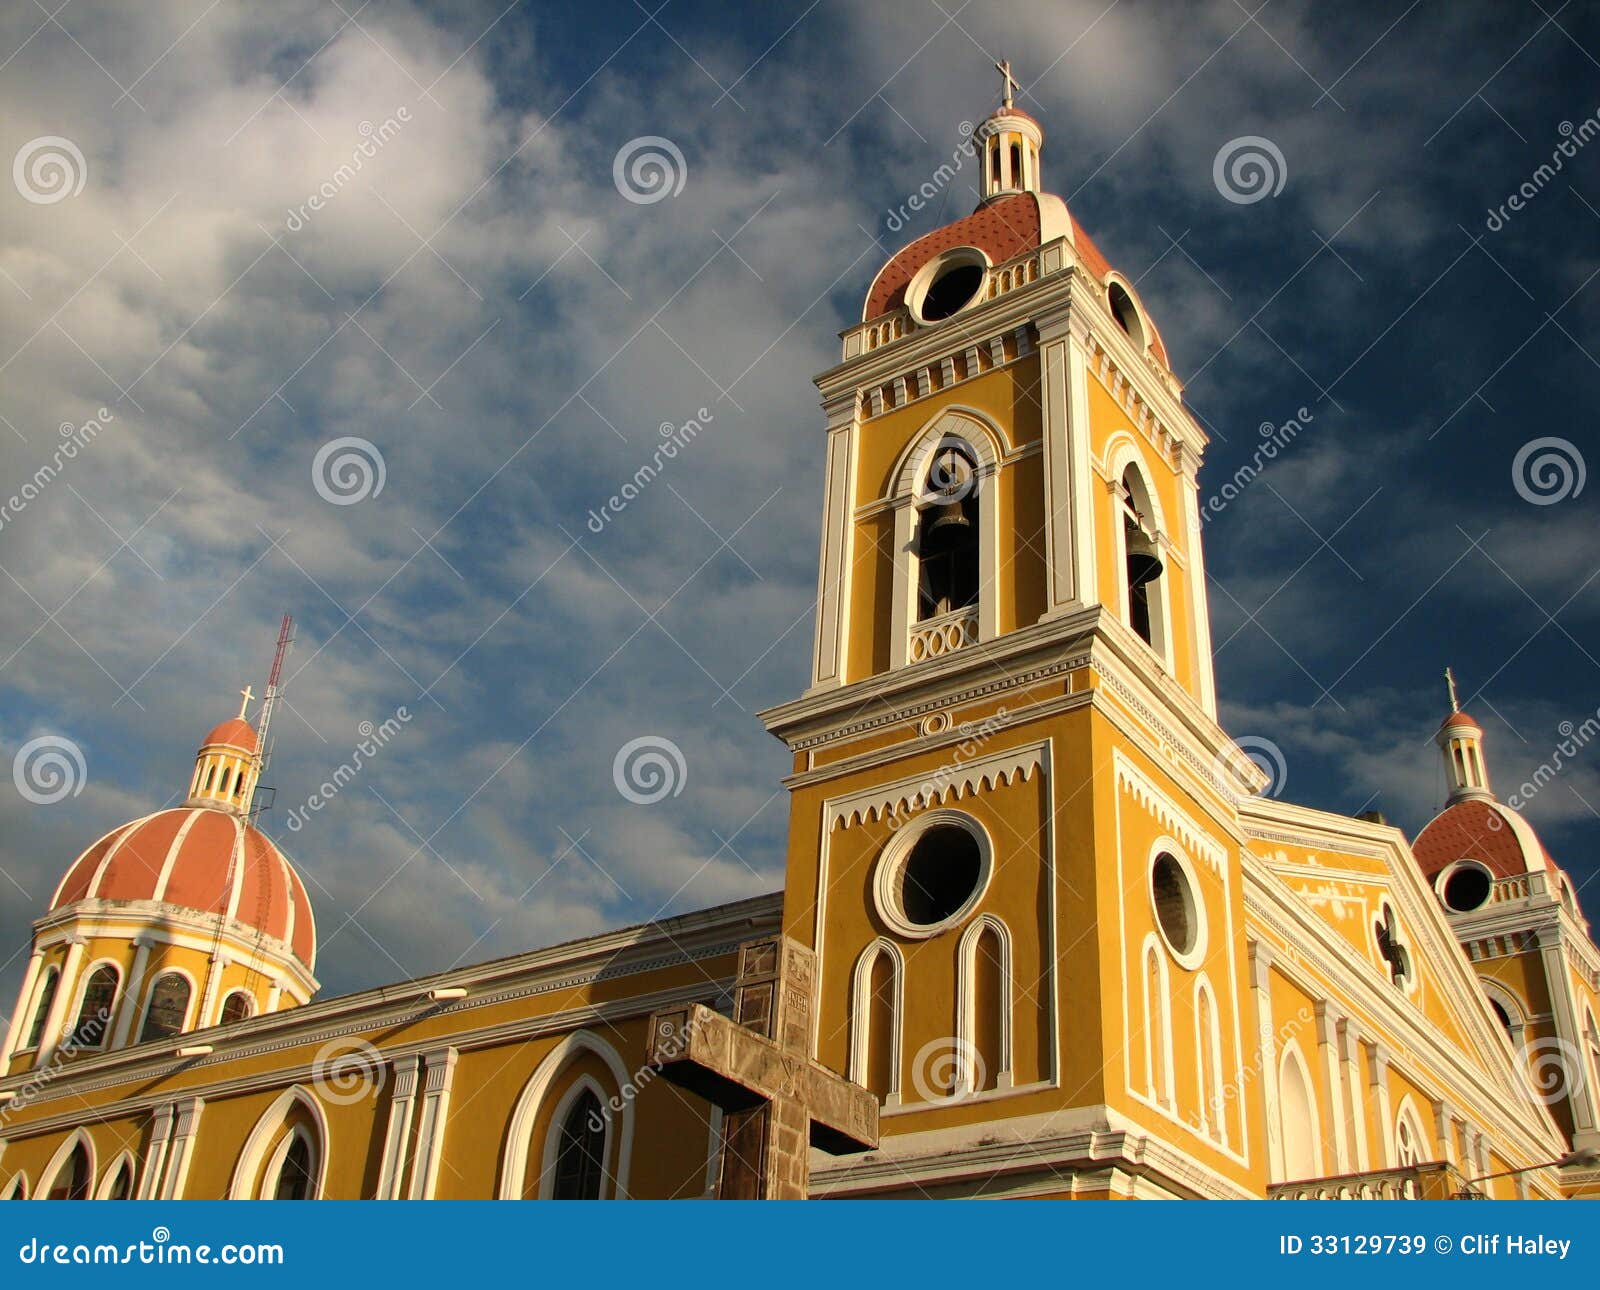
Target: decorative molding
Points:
(941, 786)
(1174, 819)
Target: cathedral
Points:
(1040, 932)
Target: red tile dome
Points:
(1488, 832)
(235, 732)
(201, 859)
(1002, 229)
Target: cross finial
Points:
(1007, 81)
(1450, 680)
(247, 694)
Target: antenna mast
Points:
(270, 701)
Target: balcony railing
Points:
(1439, 1180)
(944, 634)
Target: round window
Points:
(1177, 907)
(933, 875)
(1467, 887)
(945, 286)
(950, 290)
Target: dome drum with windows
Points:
(181, 919)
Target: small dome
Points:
(200, 859)
(235, 732)
(1002, 228)
(1489, 832)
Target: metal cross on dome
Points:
(246, 694)
(1008, 81)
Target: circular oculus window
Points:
(1466, 886)
(947, 284)
(933, 874)
(1179, 914)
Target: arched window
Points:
(168, 1008)
(985, 988)
(236, 1007)
(1409, 1140)
(71, 1180)
(1208, 1047)
(118, 1184)
(947, 535)
(1157, 1026)
(41, 1009)
(580, 1063)
(581, 1152)
(285, 1154)
(16, 1189)
(875, 1021)
(94, 1013)
(1297, 1111)
(293, 1171)
(1143, 566)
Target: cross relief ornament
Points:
(777, 1103)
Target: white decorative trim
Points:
(861, 1016)
(968, 1004)
(1179, 823)
(913, 793)
(125, 1161)
(891, 865)
(1195, 903)
(249, 1178)
(51, 1173)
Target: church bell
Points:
(1144, 557)
(949, 524)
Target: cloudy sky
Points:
(507, 312)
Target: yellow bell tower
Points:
(1010, 793)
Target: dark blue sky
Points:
(484, 307)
